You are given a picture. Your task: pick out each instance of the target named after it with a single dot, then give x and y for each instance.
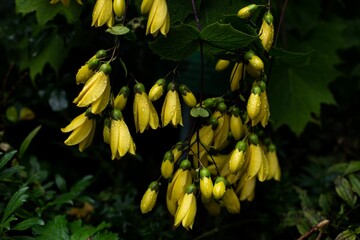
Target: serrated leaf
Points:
(52, 53)
(220, 37)
(54, 229)
(180, 42)
(14, 203)
(296, 92)
(344, 191)
(28, 223)
(346, 235)
(46, 11)
(10, 171)
(81, 185)
(5, 158)
(25, 144)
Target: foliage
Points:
(49, 190)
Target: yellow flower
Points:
(231, 201)
(187, 96)
(157, 90)
(167, 165)
(236, 75)
(236, 124)
(200, 146)
(106, 130)
(206, 184)
(267, 31)
(221, 65)
(96, 90)
(103, 13)
(221, 132)
(171, 109)
(83, 129)
(237, 158)
(119, 7)
(186, 212)
(212, 206)
(181, 179)
(219, 188)
(246, 11)
(274, 167)
(149, 198)
(146, 6)
(121, 99)
(246, 189)
(159, 19)
(144, 112)
(121, 141)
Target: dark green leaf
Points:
(355, 183)
(343, 189)
(345, 168)
(28, 223)
(81, 185)
(325, 202)
(179, 43)
(84, 232)
(60, 183)
(46, 11)
(290, 58)
(14, 203)
(5, 158)
(11, 114)
(223, 37)
(10, 171)
(25, 144)
(54, 229)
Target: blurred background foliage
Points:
(314, 98)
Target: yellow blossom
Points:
(157, 90)
(149, 198)
(159, 19)
(231, 201)
(171, 109)
(219, 188)
(121, 141)
(167, 165)
(121, 99)
(187, 95)
(186, 212)
(83, 129)
(103, 13)
(206, 184)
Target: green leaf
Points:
(343, 189)
(220, 37)
(181, 41)
(11, 114)
(53, 52)
(345, 168)
(346, 235)
(84, 232)
(6, 158)
(82, 184)
(10, 171)
(199, 112)
(118, 30)
(25, 144)
(325, 202)
(283, 56)
(14, 203)
(296, 91)
(60, 182)
(28, 223)
(54, 229)
(355, 183)
(46, 11)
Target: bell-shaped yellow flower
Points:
(187, 95)
(96, 90)
(149, 198)
(221, 65)
(157, 90)
(219, 188)
(83, 129)
(171, 109)
(181, 179)
(121, 141)
(122, 97)
(103, 13)
(237, 74)
(231, 201)
(144, 112)
(237, 157)
(186, 212)
(221, 132)
(236, 124)
(200, 146)
(246, 189)
(159, 19)
(206, 184)
(119, 7)
(266, 33)
(167, 165)
(274, 167)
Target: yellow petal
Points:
(114, 137)
(80, 133)
(124, 139)
(255, 161)
(183, 208)
(146, 6)
(188, 220)
(75, 123)
(100, 104)
(88, 140)
(99, 5)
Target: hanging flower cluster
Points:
(227, 151)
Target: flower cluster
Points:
(228, 152)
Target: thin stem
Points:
(196, 15)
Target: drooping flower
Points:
(231, 201)
(149, 198)
(159, 18)
(83, 129)
(186, 212)
(171, 109)
(187, 95)
(144, 112)
(167, 165)
(219, 188)
(119, 7)
(157, 90)
(103, 13)
(121, 141)
(96, 91)
(206, 184)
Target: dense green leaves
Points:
(46, 11)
